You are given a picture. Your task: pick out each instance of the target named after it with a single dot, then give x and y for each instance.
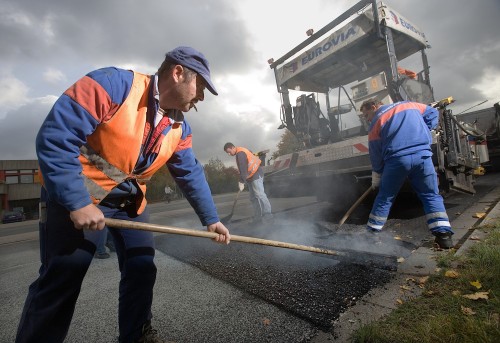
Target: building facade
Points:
(20, 186)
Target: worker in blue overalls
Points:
(399, 141)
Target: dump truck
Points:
(357, 56)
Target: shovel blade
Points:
(226, 219)
(361, 257)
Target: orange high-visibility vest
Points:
(253, 161)
(112, 150)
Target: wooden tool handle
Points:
(356, 204)
(125, 224)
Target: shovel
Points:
(125, 224)
(227, 218)
(360, 257)
(356, 204)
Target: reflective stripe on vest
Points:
(112, 150)
(253, 161)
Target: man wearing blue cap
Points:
(100, 144)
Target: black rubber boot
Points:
(371, 236)
(443, 240)
(149, 335)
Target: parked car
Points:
(13, 216)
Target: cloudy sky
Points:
(47, 45)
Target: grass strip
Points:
(459, 303)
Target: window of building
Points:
(20, 176)
(26, 175)
(11, 179)
(26, 178)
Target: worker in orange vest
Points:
(100, 144)
(252, 174)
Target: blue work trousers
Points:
(419, 169)
(66, 254)
(101, 243)
(258, 198)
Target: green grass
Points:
(442, 314)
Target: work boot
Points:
(102, 255)
(443, 240)
(149, 335)
(371, 236)
(110, 246)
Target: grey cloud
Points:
(463, 35)
(126, 31)
(19, 128)
(94, 33)
(212, 128)
(89, 34)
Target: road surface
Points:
(238, 293)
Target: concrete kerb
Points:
(412, 272)
(492, 214)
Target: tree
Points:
(288, 144)
(156, 187)
(221, 179)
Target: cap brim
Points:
(209, 83)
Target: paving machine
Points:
(355, 57)
(486, 121)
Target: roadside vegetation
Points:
(221, 179)
(459, 303)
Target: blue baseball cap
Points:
(194, 60)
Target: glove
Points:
(375, 180)
(241, 185)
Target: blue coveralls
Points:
(399, 143)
